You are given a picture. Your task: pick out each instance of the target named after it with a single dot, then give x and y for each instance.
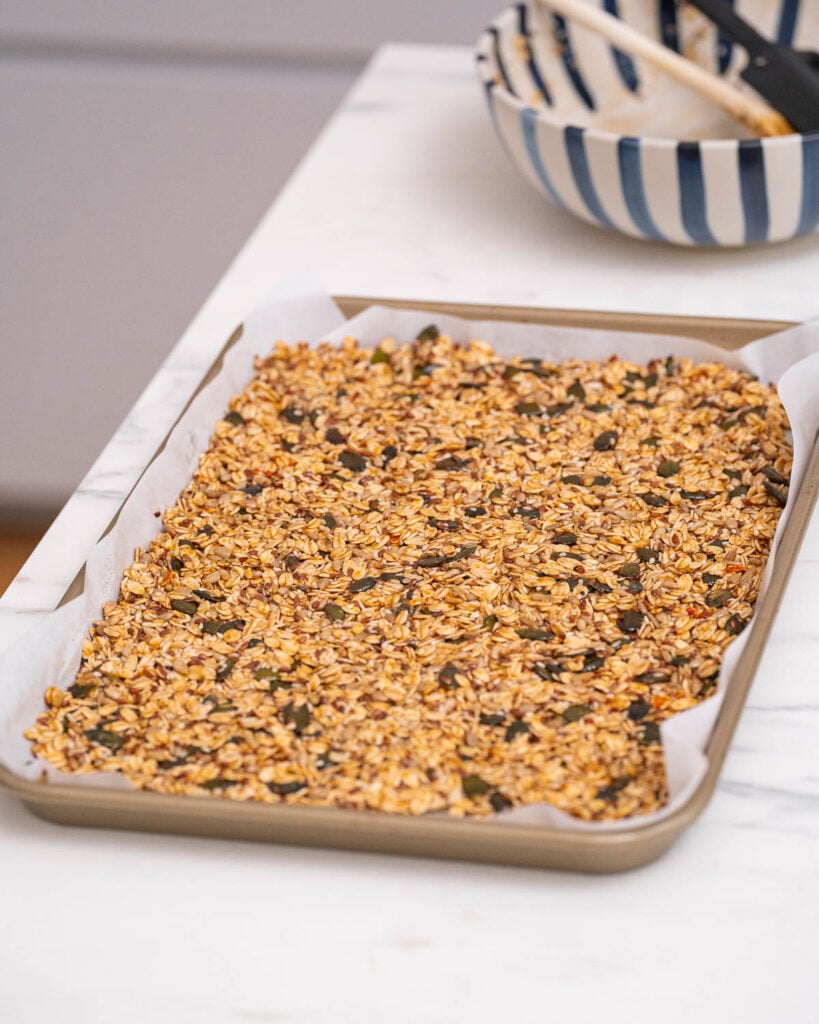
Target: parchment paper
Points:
(49, 655)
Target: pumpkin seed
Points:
(186, 607)
(598, 586)
(334, 436)
(207, 596)
(777, 494)
(653, 676)
(549, 672)
(431, 561)
(637, 709)
(485, 719)
(529, 409)
(448, 677)
(177, 564)
(264, 672)
(452, 464)
(334, 612)
(499, 802)
(292, 414)
(629, 569)
(575, 712)
(774, 476)
(601, 481)
(474, 785)
(379, 356)
(668, 468)
(517, 728)
(648, 554)
(650, 734)
(286, 788)
(718, 598)
(489, 622)
(569, 539)
(694, 495)
(389, 453)
(352, 460)
(679, 660)
(496, 492)
(732, 474)
(299, 717)
(652, 442)
(630, 621)
(598, 407)
(217, 709)
(253, 489)
(429, 333)
(593, 661)
(577, 391)
(526, 512)
(558, 409)
(735, 625)
(214, 784)
(464, 552)
(105, 738)
(634, 587)
(572, 478)
(225, 670)
(473, 511)
(654, 500)
(214, 626)
(528, 633)
(235, 419)
(450, 525)
(80, 690)
(738, 492)
(611, 791)
(606, 441)
(360, 586)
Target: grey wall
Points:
(141, 143)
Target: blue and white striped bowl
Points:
(612, 140)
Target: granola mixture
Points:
(423, 578)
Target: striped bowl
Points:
(619, 144)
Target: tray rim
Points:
(445, 837)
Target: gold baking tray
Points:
(441, 836)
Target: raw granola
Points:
(423, 578)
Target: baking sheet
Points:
(50, 654)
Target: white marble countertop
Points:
(407, 194)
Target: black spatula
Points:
(788, 79)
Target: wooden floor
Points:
(14, 550)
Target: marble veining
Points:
(410, 197)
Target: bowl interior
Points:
(575, 77)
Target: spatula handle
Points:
(732, 25)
